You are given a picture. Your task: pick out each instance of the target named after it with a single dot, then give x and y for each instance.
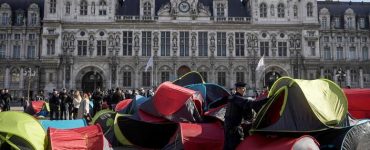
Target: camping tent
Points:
(175, 103)
(213, 94)
(189, 78)
(198, 136)
(130, 131)
(302, 106)
(260, 142)
(358, 102)
(90, 137)
(21, 131)
(63, 124)
(105, 118)
(38, 108)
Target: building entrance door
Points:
(91, 81)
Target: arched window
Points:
(147, 9)
(354, 76)
(281, 10)
(52, 6)
(68, 7)
(15, 75)
(83, 8)
(19, 19)
(263, 10)
(33, 19)
(328, 74)
(324, 22)
(220, 10)
(365, 53)
(102, 10)
(309, 10)
(295, 11)
(103, 3)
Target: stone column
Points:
(21, 77)
(335, 76)
(7, 76)
(136, 78)
(361, 78)
(348, 76)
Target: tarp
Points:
(302, 106)
(358, 102)
(200, 136)
(349, 138)
(189, 78)
(21, 131)
(130, 131)
(90, 137)
(260, 142)
(175, 103)
(63, 124)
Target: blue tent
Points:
(63, 124)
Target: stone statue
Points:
(155, 40)
(164, 10)
(173, 7)
(213, 41)
(272, 10)
(117, 40)
(273, 41)
(193, 41)
(136, 41)
(231, 41)
(174, 41)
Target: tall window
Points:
(146, 79)
(82, 48)
(5, 19)
(311, 45)
(309, 10)
(17, 51)
(362, 23)
(240, 77)
(327, 53)
(221, 43)
(165, 43)
(364, 39)
(203, 43)
(68, 8)
(221, 78)
(295, 11)
(263, 10)
(204, 75)
(146, 44)
(51, 77)
(147, 9)
(102, 10)
(2, 36)
(53, 6)
(352, 53)
(165, 76)
(50, 47)
(220, 10)
(328, 74)
(264, 48)
(2, 50)
(340, 53)
(281, 11)
(184, 43)
(19, 19)
(354, 76)
(83, 8)
(239, 43)
(365, 53)
(339, 39)
(337, 22)
(33, 19)
(282, 48)
(126, 79)
(31, 52)
(324, 22)
(127, 43)
(349, 22)
(101, 47)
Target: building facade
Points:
(85, 44)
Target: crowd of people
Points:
(75, 104)
(5, 99)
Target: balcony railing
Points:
(155, 18)
(136, 18)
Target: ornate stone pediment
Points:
(184, 8)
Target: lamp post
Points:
(340, 76)
(29, 73)
(295, 43)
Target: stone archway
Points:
(91, 81)
(271, 77)
(183, 70)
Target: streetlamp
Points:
(340, 76)
(29, 73)
(253, 42)
(295, 43)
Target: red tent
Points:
(122, 105)
(358, 102)
(37, 106)
(198, 136)
(261, 142)
(90, 137)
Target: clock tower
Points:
(184, 8)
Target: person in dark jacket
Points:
(54, 103)
(117, 97)
(98, 101)
(7, 98)
(238, 108)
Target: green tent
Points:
(19, 130)
(302, 106)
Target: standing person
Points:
(54, 103)
(237, 108)
(64, 105)
(117, 97)
(97, 100)
(2, 102)
(76, 103)
(7, 99)
(83, 110)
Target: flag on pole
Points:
(149, 63)
(261, 63)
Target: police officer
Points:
(238, 108)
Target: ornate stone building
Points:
(86, 44)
